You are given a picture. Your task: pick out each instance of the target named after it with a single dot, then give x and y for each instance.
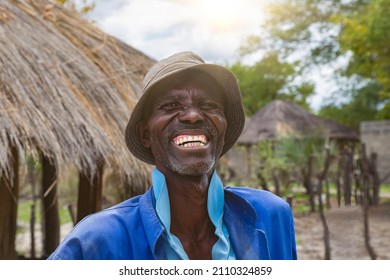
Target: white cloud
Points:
(162, 27)
(214, 29)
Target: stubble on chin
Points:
(194, 169)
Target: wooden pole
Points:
(375, 178)
(338, 177)
(248, 160)
(321, 178)
(276, 182)
(32, 232)
(347, 176)
(51, 220)
(90, 193)
(309, 184)
(32, 179)
(9, 193)
(366, 208)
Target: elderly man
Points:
(189, 115)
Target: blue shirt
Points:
(215, 202)
(260, 226)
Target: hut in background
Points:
(280, 119)
(66, 93)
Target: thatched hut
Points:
(281, 119)
(66, 93)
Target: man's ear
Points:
(143, 133)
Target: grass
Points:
(300, 203)
(385, 189)
(301, 199)
(24, 212)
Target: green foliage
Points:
(319, 32)
(363, 105)
(300, 205)
(298, 26)
(289, 157)
(367, 35)
(267, 80)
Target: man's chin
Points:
(192, 169)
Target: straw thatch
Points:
(66, 89)
(282, 119)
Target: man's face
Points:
(185, 127)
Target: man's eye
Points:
(170, 106)
(209, 105)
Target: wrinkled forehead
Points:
(183, 80)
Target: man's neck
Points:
(188, 199)
(190, 220)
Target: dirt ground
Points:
(345, 226)
(346, 233)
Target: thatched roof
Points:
(282, 119)
(66, 88)
(339, 131)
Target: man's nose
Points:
(191, 114)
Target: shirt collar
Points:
(215, 206)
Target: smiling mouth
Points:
(190, 141)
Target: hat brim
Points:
(234, 112)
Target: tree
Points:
(366, 34)
(293, 159)
(313, 33)
(362, 105)
(267, 80)
(302, 30)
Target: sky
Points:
(214, 29)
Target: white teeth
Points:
(193, 144)
(191, 141)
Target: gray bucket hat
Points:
(177, 63)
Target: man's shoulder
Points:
(252, 193)
(129, 203)
(116, 214)
(258, 198)
(97, 235)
